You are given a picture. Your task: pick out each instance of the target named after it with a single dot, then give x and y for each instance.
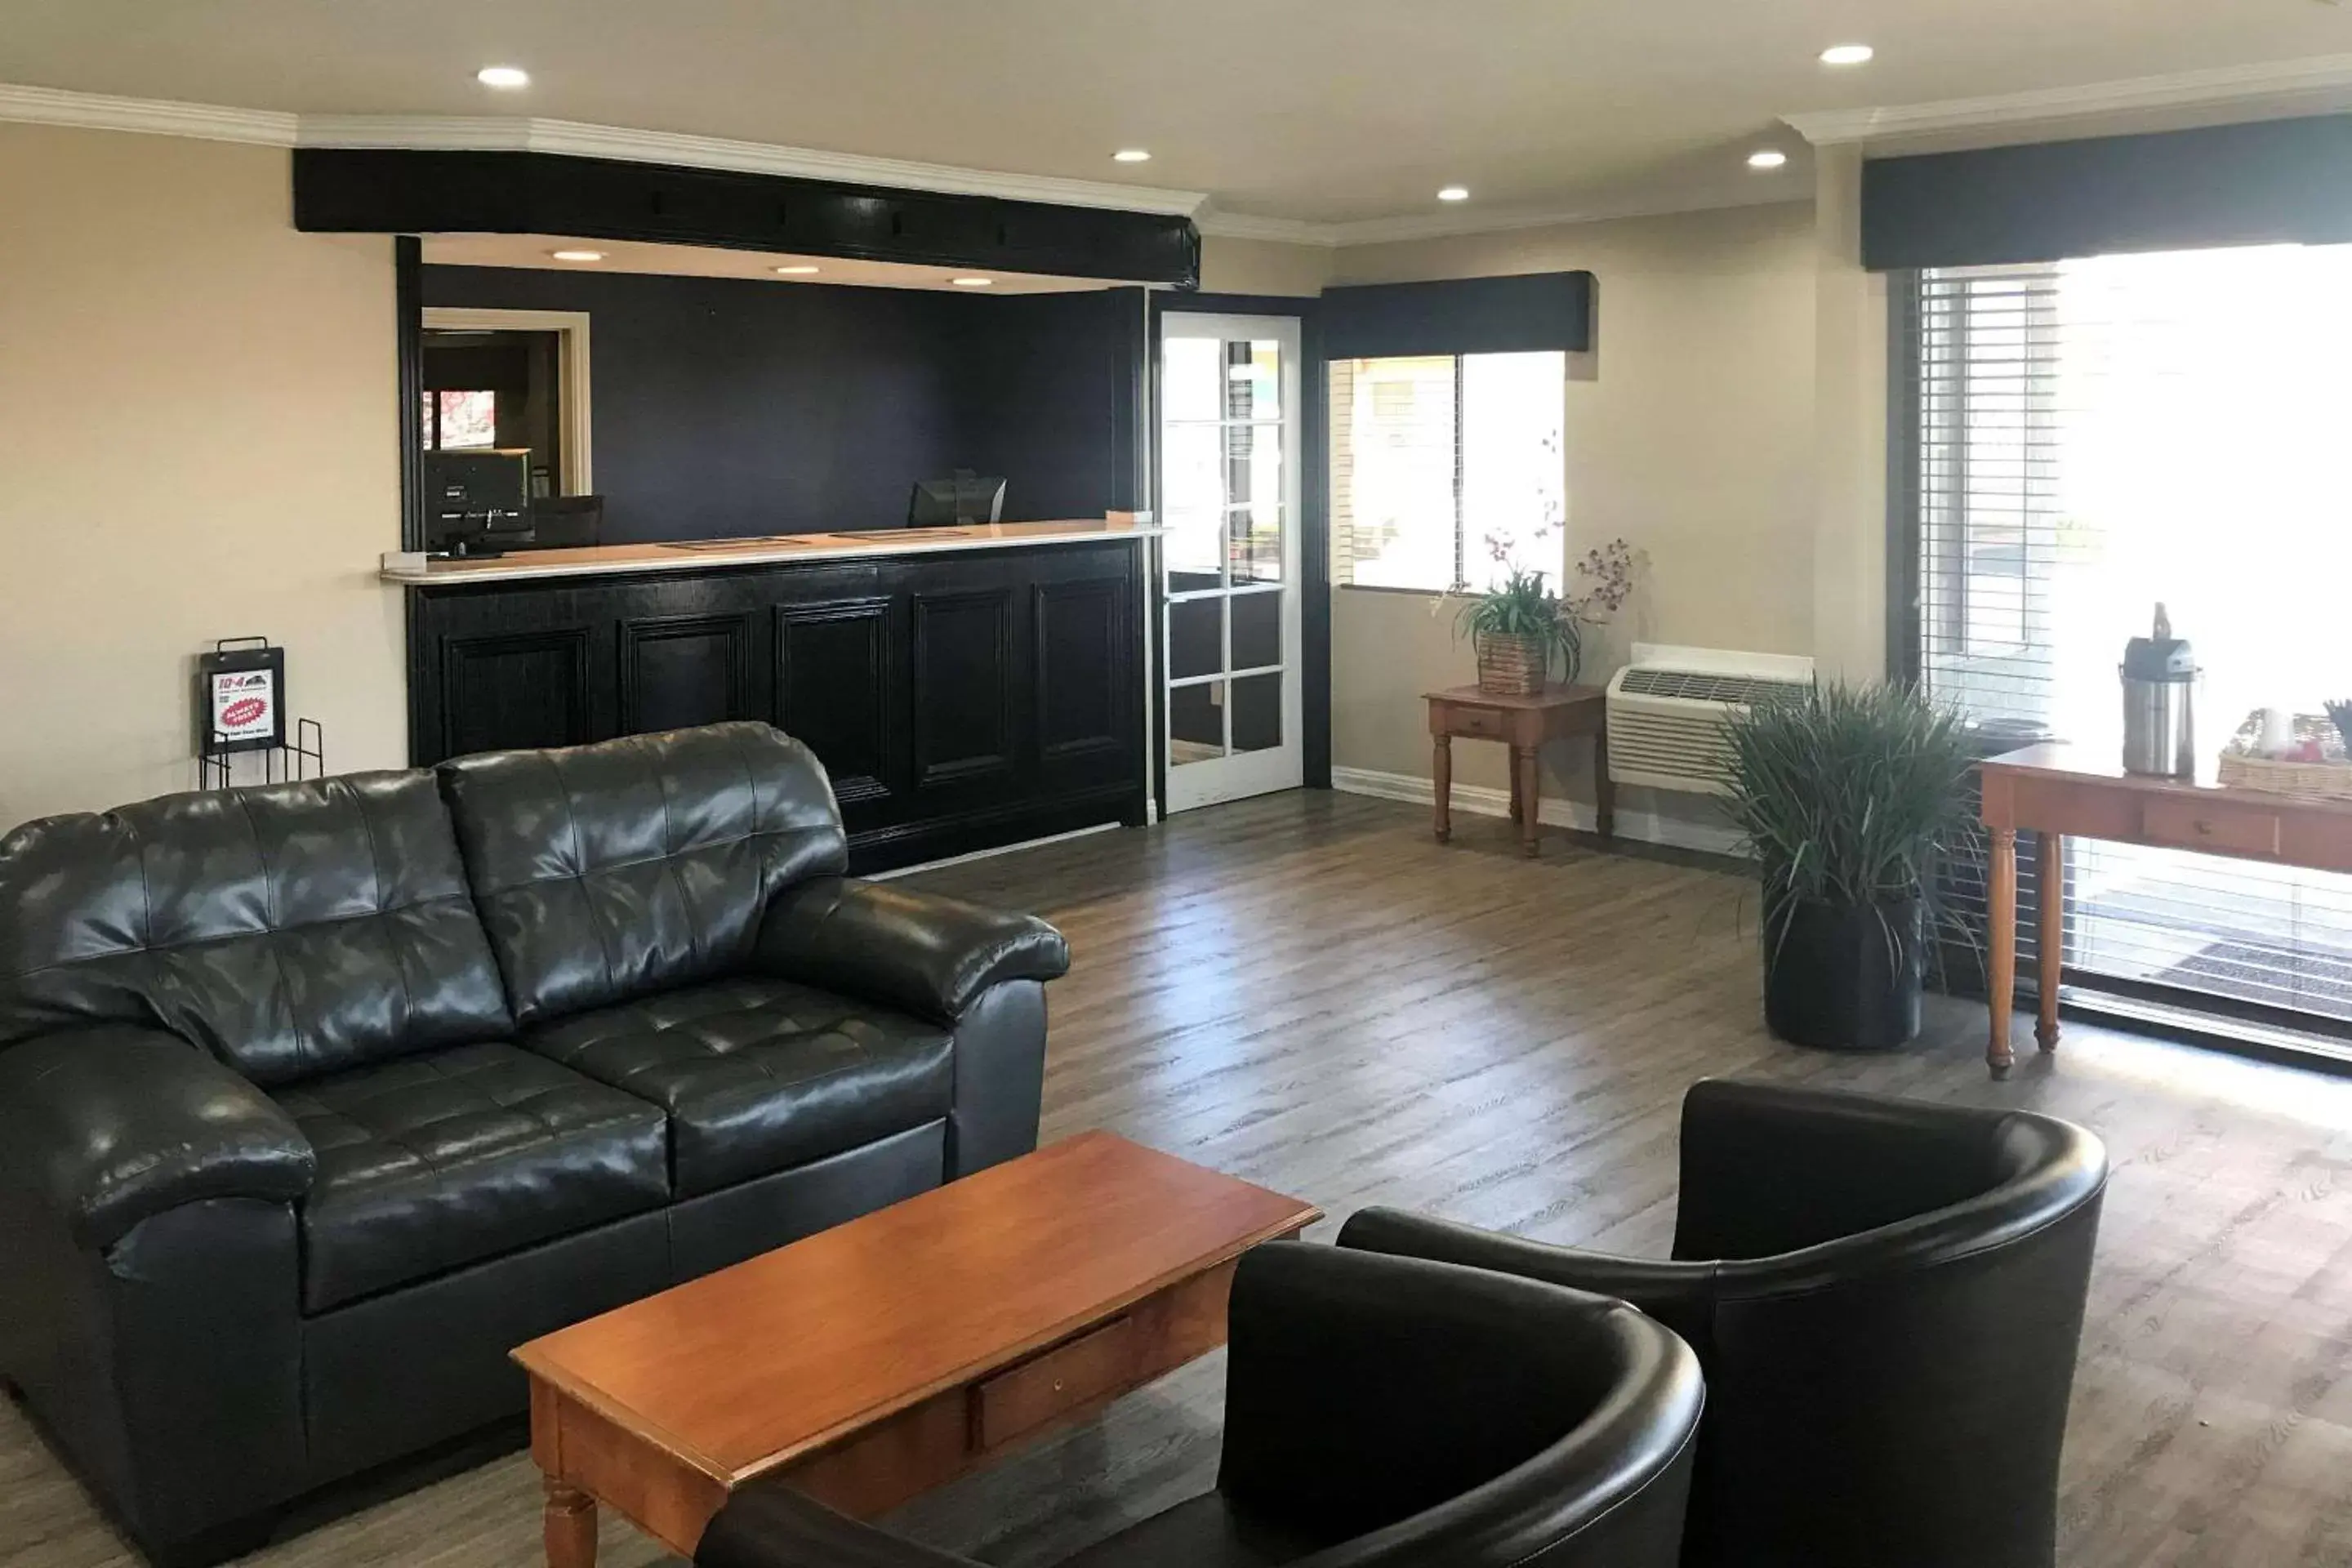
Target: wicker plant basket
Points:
(1513, 666)
(2328, 779)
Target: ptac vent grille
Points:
(1696, 687)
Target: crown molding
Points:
(1795, 185)
(1281, 230)
(1758, 190)
(430, 132)
(2251, 85)
(153, 116)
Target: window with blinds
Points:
(2091, 438)
(1446, 470)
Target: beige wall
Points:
(1263, 267)
(1690, 433)
(196, 441)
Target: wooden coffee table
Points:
(876, 1359)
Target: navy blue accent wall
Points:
(725, 407)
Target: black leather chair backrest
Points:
(1420, 1412)
(1768, 1170)
(604, 872)
(289, 928)
(1899, 1392)
(1890, 1385)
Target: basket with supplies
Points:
(2302, 754)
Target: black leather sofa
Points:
(1379, 1412)
(1887, 1297)
(317, 1098)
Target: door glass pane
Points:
(1196, 723)
(1253, 542)
(1257, 630)
(1252, 380)
(1193, 486)
(1257, 712)
(1191, 379)
(1196, 637)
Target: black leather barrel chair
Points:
(1378, 1412)
(1887, 1298)
(318, 1098)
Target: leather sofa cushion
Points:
(1207, 1531)
(759, 1075)
(290, 928)
(441, 1160)
(611, 871)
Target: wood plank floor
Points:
(1305, 991)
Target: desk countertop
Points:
(522, 565)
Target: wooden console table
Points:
(2055, 791)
(1523, 723)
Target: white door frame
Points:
(570, 330)
(1243, 774)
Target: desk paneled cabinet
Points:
(2055, 792)
(960, 700)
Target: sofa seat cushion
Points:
(759, 1076)
(448, 1158)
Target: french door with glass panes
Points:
(1229, 472)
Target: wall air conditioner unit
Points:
(1667, 710)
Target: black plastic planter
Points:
(1843, 979)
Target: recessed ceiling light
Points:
(577, 254)
(1769, 158)
(803, 270)
(1130, 155)
(507, 77)
(1455, 194)
(971, 282)
(1847, 55)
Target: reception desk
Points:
(966, 687)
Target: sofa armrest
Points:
(770, 1525)
(112, 1126)
(923, 953)
(1680, 1295)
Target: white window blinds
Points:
(2093, 436)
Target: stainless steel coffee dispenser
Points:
(2159, 676)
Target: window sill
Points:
(1384, 588)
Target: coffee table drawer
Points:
(1071, 1375)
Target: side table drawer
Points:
(2232, 828)
(1473, 723)
(1071, 1375)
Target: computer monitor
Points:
(966, 498)
(477, 500)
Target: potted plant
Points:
(1518, 628)
(1847, 797)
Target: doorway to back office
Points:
(1229, 498)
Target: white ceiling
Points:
(1326, 110)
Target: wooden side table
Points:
(1524, 724)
